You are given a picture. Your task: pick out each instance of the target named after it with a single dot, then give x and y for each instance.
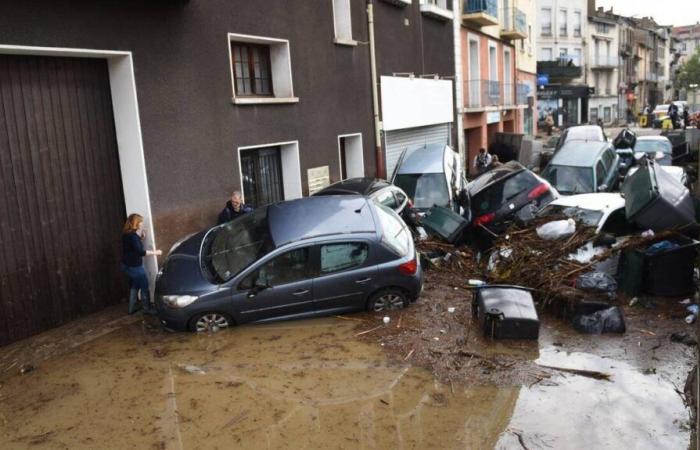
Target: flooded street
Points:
(314, 384)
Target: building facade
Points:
(494, 97)
(561, 59)
(603, 67)
(163, 108)
(686, 44)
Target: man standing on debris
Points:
(234, 208)
(482, 161)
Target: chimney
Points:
(591, 7)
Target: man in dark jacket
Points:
(233, 209)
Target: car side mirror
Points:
(603, 187)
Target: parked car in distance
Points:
(430, 175)
(295, 259)
(583, 167)
(604, 210)
(378, 190)
(658, 148)
(497, 195)
(581, 133)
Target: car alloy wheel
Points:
(212, 322)
(389, 300)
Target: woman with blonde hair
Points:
(132, 263)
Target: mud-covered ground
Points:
(453, 346)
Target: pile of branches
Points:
(523, 258)
(460, 262)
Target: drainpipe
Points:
(459, 85)
(381, 171)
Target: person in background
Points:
(495, 162)
(482, 161)
(132, 263)
(686, 118)
(549, 123)
(234, 208)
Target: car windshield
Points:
(395, 235)
(570, 180)
(424, 189)
(232, 247)
(586, 216)
(496, 194)
(653, 146)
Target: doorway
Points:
(350, 156)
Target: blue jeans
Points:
(138, 282)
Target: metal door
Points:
(262, 176)
(397, 141)
(61, 193)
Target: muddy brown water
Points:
(313, 384)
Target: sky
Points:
(683, 12)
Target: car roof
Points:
(585, 133)
(362, 186)
(602, 201)
(579, 153)
(487, 179)
(428, 158)
(310, 217)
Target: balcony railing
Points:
(604, 62)
(626, 50)
(563, 67)
(514, 24)
(508, 94)
(482, 93)
(522, 91)
(480, 12)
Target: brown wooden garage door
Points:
(61, 201)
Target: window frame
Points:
(565, 29)
(549, 16)
(578, 23)
(342, 36)
(312, 267)
(250, 63)
(319, 263)
(280, 70)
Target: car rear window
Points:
(395, 234)
(649, 146)
(425, 189)
(495, 195)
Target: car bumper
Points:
(172, 319)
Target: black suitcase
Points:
(506, 312)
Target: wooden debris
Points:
(584, 373)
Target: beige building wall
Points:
(526, 59)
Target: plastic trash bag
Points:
(604, 321)
(660, 247)
(557, 229)
(596, 282)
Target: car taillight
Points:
(483, 220)
(538, 190)
(409, 268)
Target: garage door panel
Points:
(398, 140)
(62, 183)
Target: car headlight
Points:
(179, 301)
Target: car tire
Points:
(210, 322)
(387, 299)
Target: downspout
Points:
(381, 171)
(459, 85)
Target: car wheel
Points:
(211, 322)
(386, 300)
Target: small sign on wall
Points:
(319, 177)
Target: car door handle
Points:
(300, 292)
(363, 281)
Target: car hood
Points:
(181, 273)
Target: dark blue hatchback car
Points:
(301, 258)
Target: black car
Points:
(497, 195)
(378, 190)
